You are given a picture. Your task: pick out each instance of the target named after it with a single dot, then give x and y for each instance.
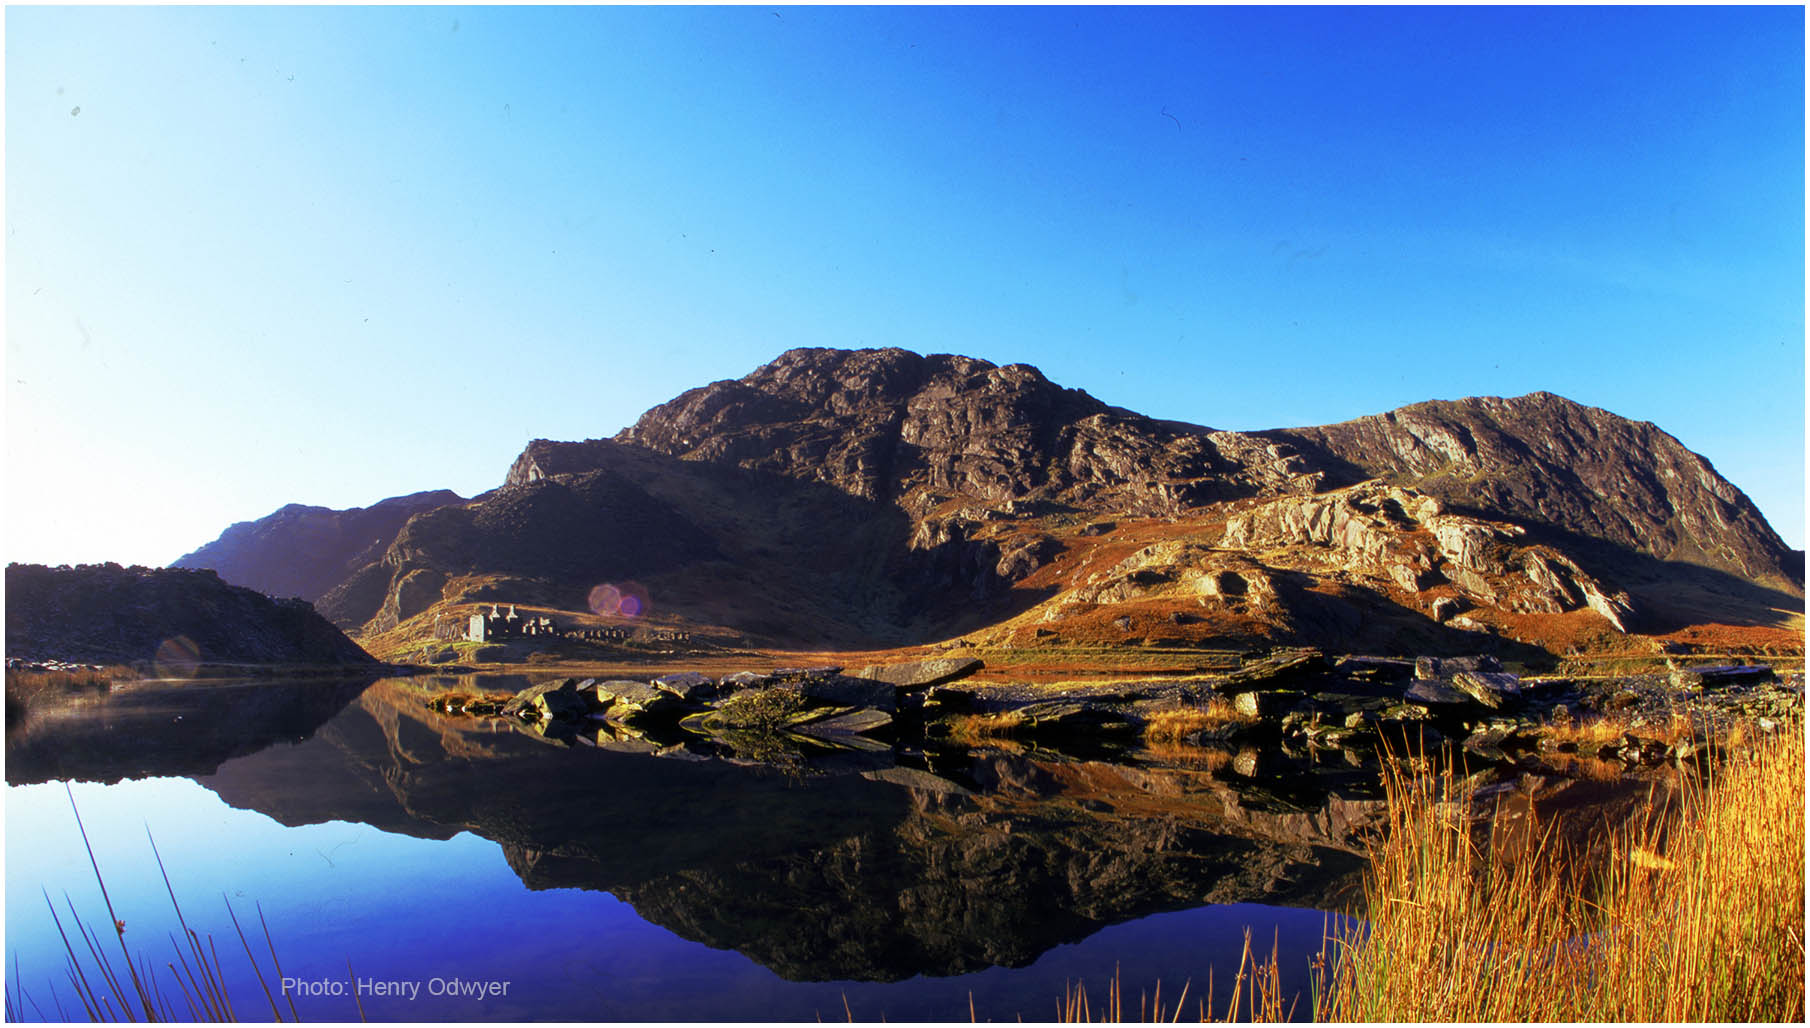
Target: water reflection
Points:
(867, 867)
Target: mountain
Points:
(843, 499)
(306, 551)
(175, 620)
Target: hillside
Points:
(876, 498)
(263, 554)
(177, 621)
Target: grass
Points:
(1696, 915)
(974, 728)
(130, 989)
(23, 688)
(1171, 726)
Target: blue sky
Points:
(326, 255)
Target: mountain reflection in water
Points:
(902, 865)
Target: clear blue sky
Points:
(327, 255)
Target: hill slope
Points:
(877, 497)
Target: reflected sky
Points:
(409, 910)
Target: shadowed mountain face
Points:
(880, 497)
(306, 551)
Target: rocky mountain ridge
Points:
(838, 498)
(263, 554)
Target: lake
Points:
(446, 868)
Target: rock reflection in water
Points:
(969, 860)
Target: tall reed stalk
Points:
(130, 989)
(1696, 914)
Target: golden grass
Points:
(971, 728)
(1169, 726)
(1608, 729)
(1696, 917)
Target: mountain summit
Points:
(880, 497)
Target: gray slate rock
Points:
(921, 673)
(1282, 667)
(1266, 703)
(530, 698)
(1490, 688)
(1717, 676)
(844, 691)
(690, 686)
(1445, 667)
(1429, 693)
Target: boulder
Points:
(844, 691)
(1445, 667)
(530, 699)
(1070, 715)
(919, 674)
(1445, 608)
(1717, 676)
(628, 701)
(854, 722)
(744, 680)
(1282, 667)
(1436, 694)
(1375, 669)
(1490, 688)
(690, 686)
(797, 674)
(1266, 703)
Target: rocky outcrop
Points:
(1406, 538)
(177, 620)
(1545, 460)
(307, 551)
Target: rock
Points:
(1718, 676)
(795, 674)
(1070, 716)
(918, 674)
(1469, 624)
(844, 691)
(549, 701)
(943, 699)
(1375, 669)
(1282, 667)
(1097, 528)
(1265, 704)
(1413, 579)
(1122, 623)
(1247, 762)
(1445, 607)
(1445, 667)
(744, 680)
(1490, 688)
(854, 722)
(1436, 694)
(690, 686)
(628, 701)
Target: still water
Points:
(438, 868)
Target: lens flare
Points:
(606, 600)
(177, 658)
(628, 600)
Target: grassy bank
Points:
(1695, 915)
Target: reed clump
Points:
(1171, 726)
(1696, 914)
